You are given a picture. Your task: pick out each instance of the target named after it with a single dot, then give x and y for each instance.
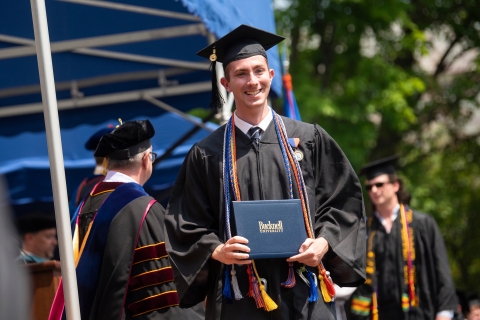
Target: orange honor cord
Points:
(326, 284)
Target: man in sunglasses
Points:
(408, 275)
(123, 270)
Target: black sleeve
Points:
(446, 298)
(339, 215)
(192, 230)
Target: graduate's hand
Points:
(233, 251)
(311, 252)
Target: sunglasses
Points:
(378, 185)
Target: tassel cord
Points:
(291, 281)
(227, 292)
(236, 289)
(313, 287)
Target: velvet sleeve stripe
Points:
(150, 252)
(156, 302)
(151, 278)
(103, 187)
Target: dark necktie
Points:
(254, 133)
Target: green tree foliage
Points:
(401, 77)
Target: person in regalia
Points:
(408, 274)
(260, 155)
(98, 174)
(123, 270)
(39, 237)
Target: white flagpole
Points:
(55, 153)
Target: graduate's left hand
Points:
(311, 252)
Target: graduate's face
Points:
(381, 190)
(249, 80)
(41, 243)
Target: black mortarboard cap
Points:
(92, 143)
(34, 222)
(379, 167)
(126, 140)
(241, 43)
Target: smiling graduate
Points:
(260, 155)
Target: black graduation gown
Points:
(116, 275)
(434, 285)
(195, 220)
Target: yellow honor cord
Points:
(408, 255)
(374, 306)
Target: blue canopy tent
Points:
(122, 59)
(28, 172)
(111, 59)
(116, 55)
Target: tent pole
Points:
(225, 112)
(55, 153)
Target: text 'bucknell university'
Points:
(270, 227)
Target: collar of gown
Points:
(114, 176)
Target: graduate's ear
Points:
(26, 236)
(225, 83)
(396, 186)
(145, 159)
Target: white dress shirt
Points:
(245, 126)
(114, 176)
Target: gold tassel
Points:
(326, 283)
(104, 166)
(324, 290)
(269, 304)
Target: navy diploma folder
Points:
(274, 228)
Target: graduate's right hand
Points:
(233, 251)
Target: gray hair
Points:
(132, 163)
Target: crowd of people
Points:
(136, 259)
